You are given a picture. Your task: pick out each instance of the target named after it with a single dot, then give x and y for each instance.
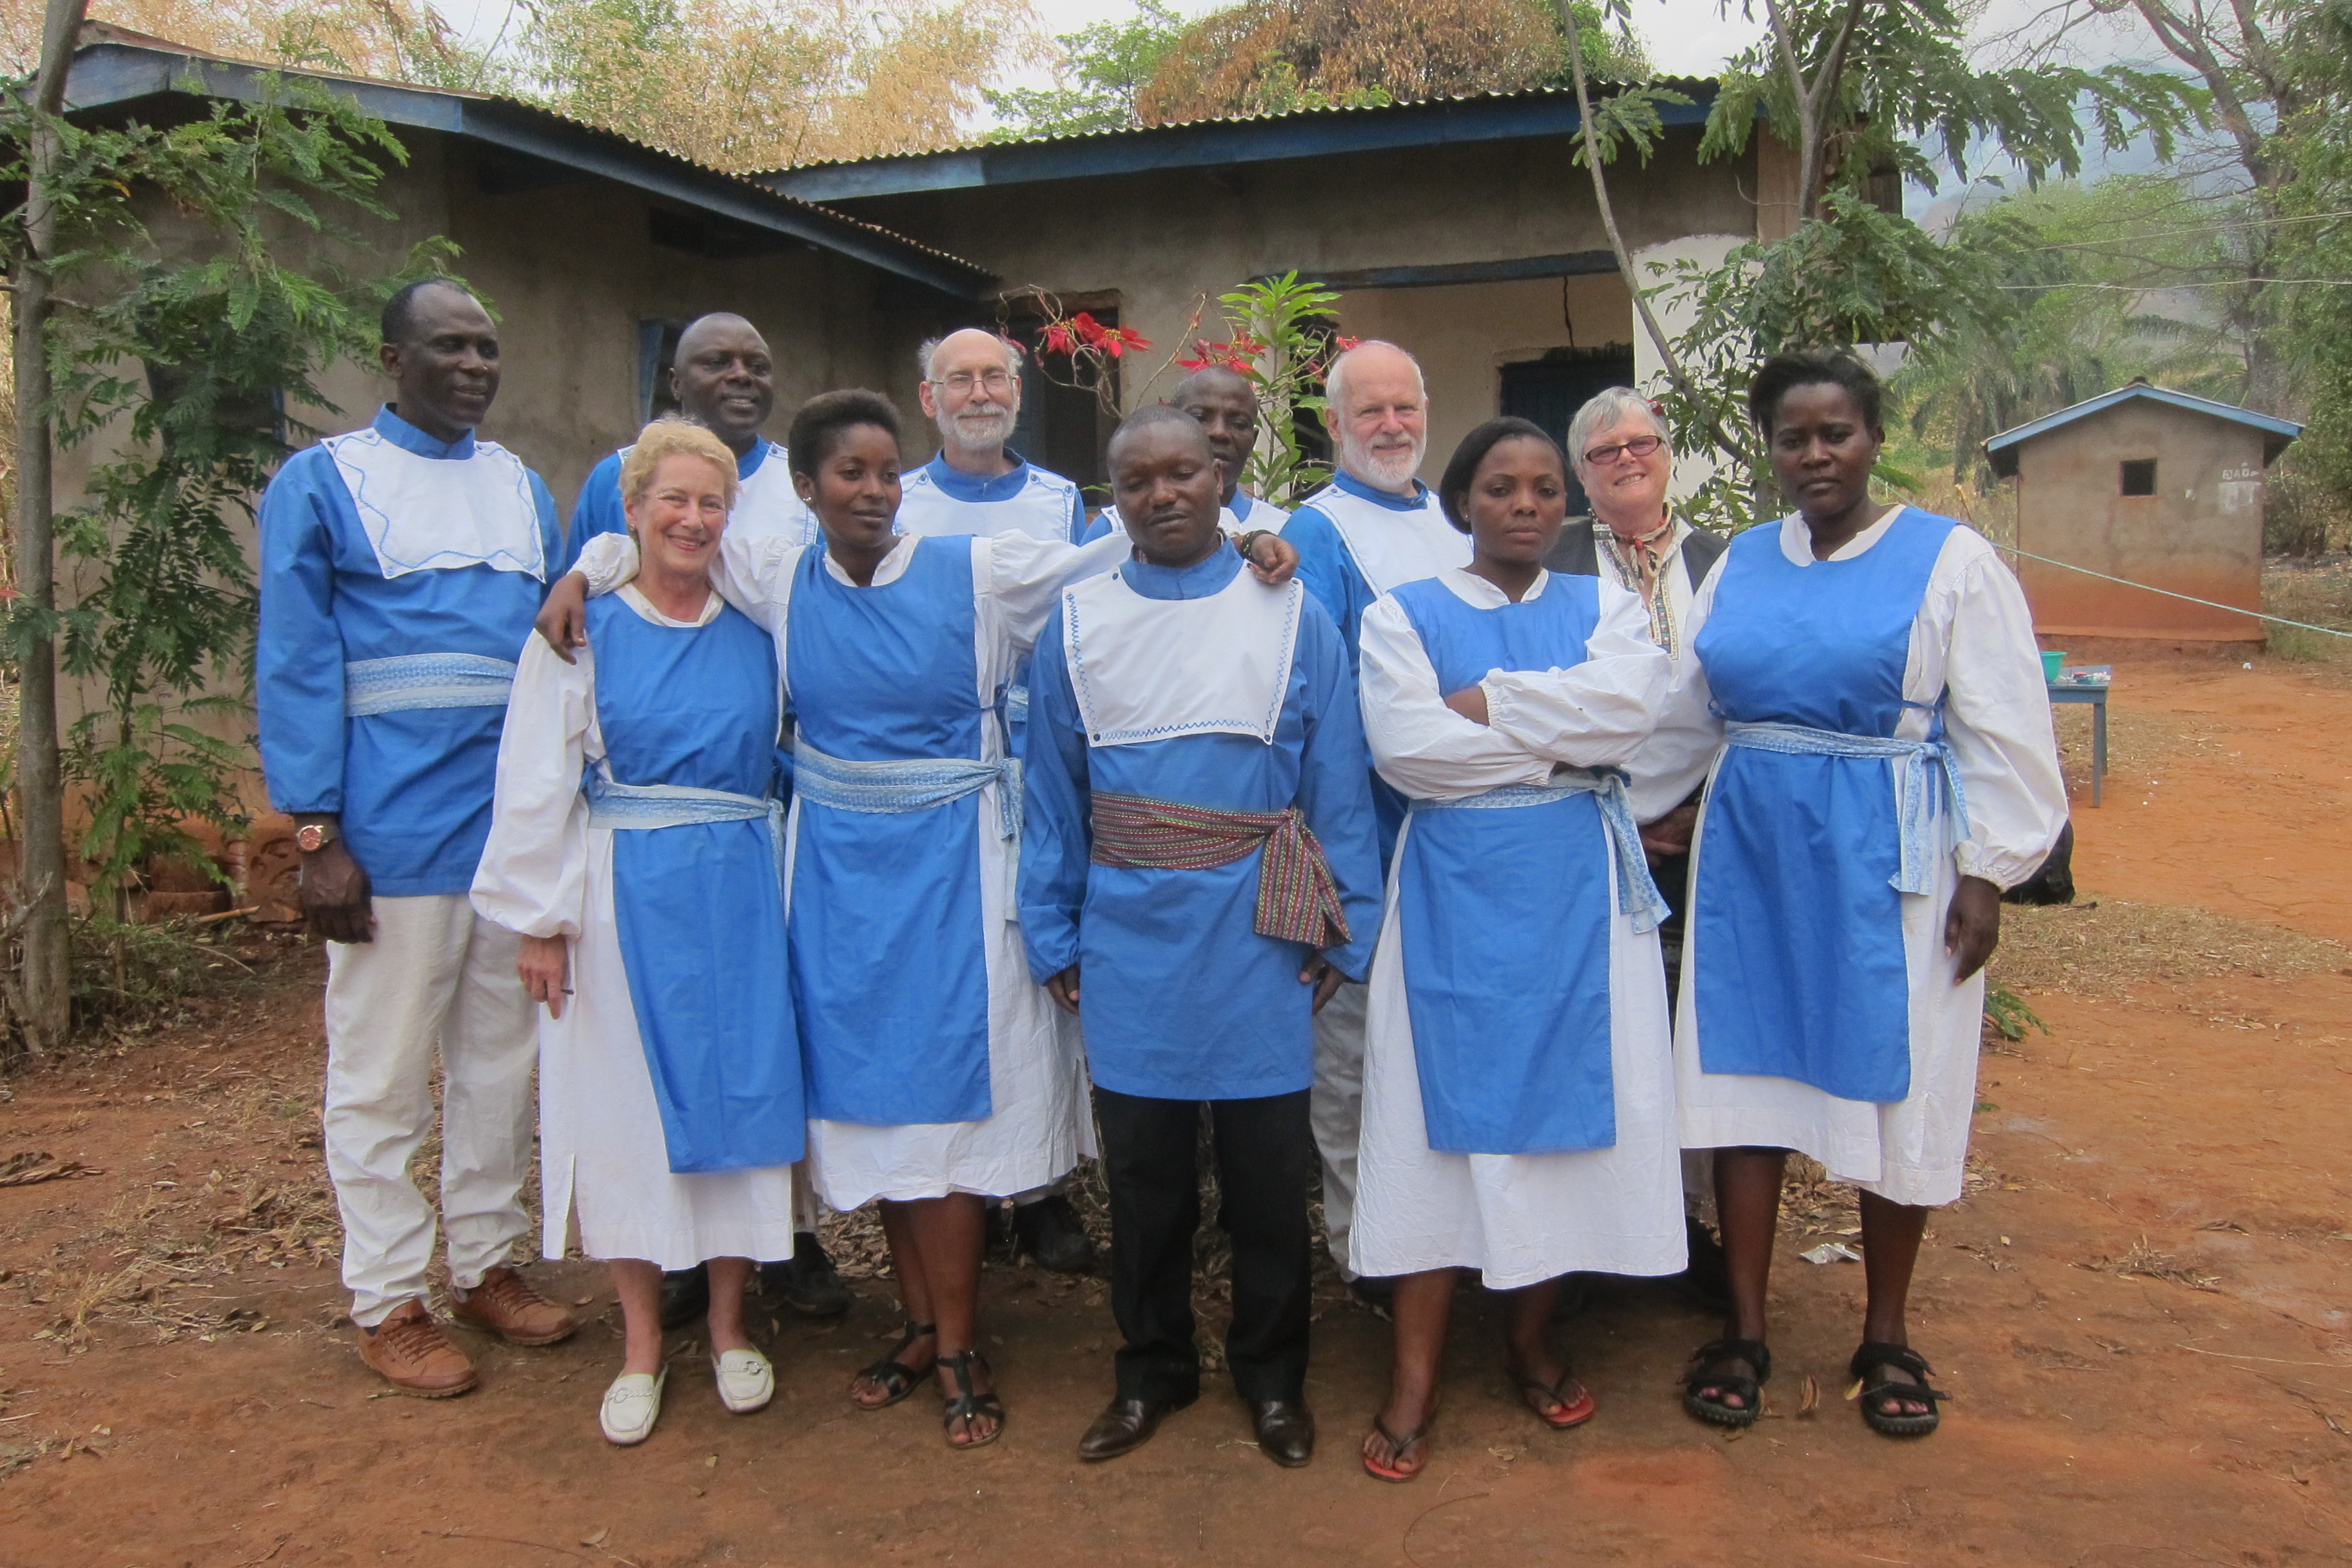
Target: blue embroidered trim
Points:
(1262, 728)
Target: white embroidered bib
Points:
(1041, 511)
(1389, 547)
(1153, 670)
(434, 514)
(768, 504)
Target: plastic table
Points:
(2063, 691)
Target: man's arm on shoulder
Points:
(1057, 797)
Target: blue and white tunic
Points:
(1202, 686)
(670, 1090)
(765, 504)
(939, 500)
(1518, 1111)
(400, 577)
(1819, 1011)
(935, 1064)
(1355, 543)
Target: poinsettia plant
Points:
(1088, 350)
(1284, 340)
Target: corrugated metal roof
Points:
(1694, 87)
(2002, 448)
(1216, 142)
(116, 65)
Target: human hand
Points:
(1326, 980)
(564, 619)
(1470, 702)
(335, 894)
(1273, 559)
(545, 963)
(1972, 926)
(1670, 834)
(1063, 989)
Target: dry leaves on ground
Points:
(2114, 950)
(22, 1170)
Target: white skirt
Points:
(1041, 1123)
(602, 1155)
(1521, 1219)
(1914, 1151)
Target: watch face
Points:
(310, 839)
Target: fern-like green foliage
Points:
(200, 295)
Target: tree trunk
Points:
(40, 793)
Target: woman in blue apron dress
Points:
(652, 923)
(937, 1072)
(1868, 691)
(1518, 1106)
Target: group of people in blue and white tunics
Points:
(883, 843)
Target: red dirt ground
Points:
(2191, 1125)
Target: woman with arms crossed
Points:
(1518, 1109)
(1868, 694)
(669, 1075)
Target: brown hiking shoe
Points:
(506, 1305)
(409, 1349)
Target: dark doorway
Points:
(1548, 391)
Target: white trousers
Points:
(437, 979)
(1334, 1108)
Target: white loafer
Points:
(746, 1380)
(631, 1405)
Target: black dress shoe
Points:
(1050, 1231)
(1125, 1426)
(1285, 1431)
(685, 1296)
(806, 1281)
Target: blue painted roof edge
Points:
(2269, 425)
(113, 72)
(1212, 144)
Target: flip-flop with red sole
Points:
(1574, 1413)
(1396, 1446)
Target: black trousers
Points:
(1265, 1155)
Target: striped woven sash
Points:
(1297, 899)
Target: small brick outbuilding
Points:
(2152, 486)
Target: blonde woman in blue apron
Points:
(1869, 697)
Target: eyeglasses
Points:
(1638, 446)
(961, 382)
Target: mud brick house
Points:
(2150, 486)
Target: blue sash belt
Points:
(1914, 874)
(620, 806)
(415, 680)
(919, 784)
(1637, 893)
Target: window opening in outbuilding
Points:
(2139, 476)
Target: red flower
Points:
(1193, 364)
(1132, 338)
(1346, 342)
(1089, 330)
(1058, 341)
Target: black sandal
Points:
(897, 1378)
(1874, 1355)
(1749, 1389)
(967, 1405)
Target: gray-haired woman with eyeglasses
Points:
(1618, 446)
